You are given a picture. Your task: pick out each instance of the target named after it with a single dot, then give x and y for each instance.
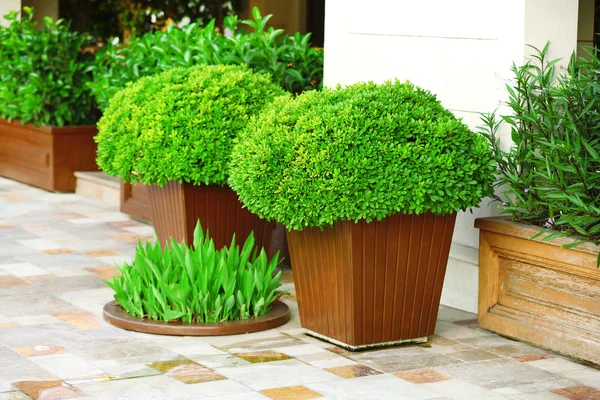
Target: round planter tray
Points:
(115, 315)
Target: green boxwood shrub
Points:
(43, 73)
(288, 59)
(366, 151)
(180, 125)
(198, 283)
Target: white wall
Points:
(6, 6)
(461, 50)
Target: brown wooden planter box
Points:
(372, 284)
(135, 201)
(46, 157)
(539, 292)
(176, 208)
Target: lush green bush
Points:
(43, 78)
(366, 151)
(180, 125)
(550, 175)
(198, 283)
(289, 60)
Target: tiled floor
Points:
(56, 248)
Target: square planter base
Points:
(364, 347)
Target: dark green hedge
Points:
(180, 124)
(366, 151)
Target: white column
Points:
(461, 50)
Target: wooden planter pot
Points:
(539, 292)
(135, 201)
(46, 157)
(362, 285)
(176, 208)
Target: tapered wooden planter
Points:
(135, 201)
(539, 292)
(46, 157)
(176, 208)
(363, 285)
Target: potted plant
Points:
(546, 291)
(197, 290)
(174, 131)
(367, 179)
(47, 113)
(289, 60)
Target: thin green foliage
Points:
(180, 124)
(550, 176)
(44, 73)
(198, 283)
(365, 151)
(289, 60)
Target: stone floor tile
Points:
(458, 389)
(299, 350)
(276, 374)
(257, 341)
(402, 359)
(325, 359)
(380, 387)
(589, 376)
(99, 254)
(39, 350)
(105, 272)
(68, 366)
(92, 300)
(23, 269)
(497, 373)
(123, 370)
(148, 387)
(421, 376)
(466, 322)
(263, 356)
(221, 360)
(186, 371)
(33, 304)
(353, 371)
(195, 350)
(578, 393)
(80, 319)
(11, 281)
(14, 395)
(48, 390)
(545, 395)
(135, 351)
(27, 335)
(70, 283)
(291, 393)
(220, 389)
(556, 364)
(245, 396)
(453, 331)
(450, 314)
(40, 244)
(473, 355)
(58, 251)
(533, 357)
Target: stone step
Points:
(99, 186)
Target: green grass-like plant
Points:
(550, 175)
(365, 151)
(289, 60)
(198, 283)
(180, 124)
(44, 73)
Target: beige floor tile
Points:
(291, 393)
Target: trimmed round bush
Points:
(180, 124)
(365, 151)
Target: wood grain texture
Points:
(369, 283)
(177, 207)
(539, 292)
(46, 157)
(135, 201)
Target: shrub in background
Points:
(43, 73)
(198, 283)
(366, 151)
(180, 124)
(550, 176)
(289, 60)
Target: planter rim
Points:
(115, 315)
(505, 225)
(49, 129)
